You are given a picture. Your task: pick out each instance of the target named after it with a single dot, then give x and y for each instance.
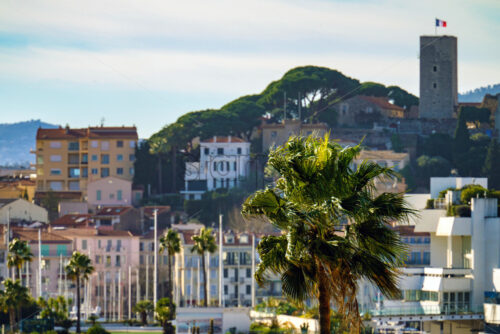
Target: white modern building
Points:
(224, 162)
(449, 295)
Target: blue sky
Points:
(148, 62)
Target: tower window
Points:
(434, 85)
(435, 68)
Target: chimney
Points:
(215, 139)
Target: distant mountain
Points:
(477, 94)
(16, 141)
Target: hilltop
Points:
(478, 94)
(16, 141)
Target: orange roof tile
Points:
(74, 220)
(223, 139)
(112, 210)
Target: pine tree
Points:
(491, 163)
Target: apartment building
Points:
(224, 163)
(67, 159)
(237, 273)
(18, 210)
(451, 292)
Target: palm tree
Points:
(143, 308)
(79, 269)
(19, 253)
(170, 242)
(13, 297)
(334, 226)
(203, 243)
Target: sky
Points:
(147, 62)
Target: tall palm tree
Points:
(13, 297)
(170, 242)
(203, 243)
(335, 227)
(19, 253)
(79, 269)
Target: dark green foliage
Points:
(462, 210)
(145, 165)
(491, 168)
(475, 115)
(409, 175)
(397, 144)
(438, 144)
(428, 167)
(97, 329)
(401, 97)
(429, 204)
(461, 146)
(165, 313)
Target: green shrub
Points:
(97, 329)
(430, 203)
(462, 210)
(471, 191)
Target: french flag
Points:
(440, 23)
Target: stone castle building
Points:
(438, 77)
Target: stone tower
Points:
(438, 77)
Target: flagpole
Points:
(435, 26)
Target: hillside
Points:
(477, 94)
(16, 141)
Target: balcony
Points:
(420, 310)
(436, 279)
(454, 226)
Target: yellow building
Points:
(67, 159)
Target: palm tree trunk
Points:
(324, 301)
(170, 287)
(78, 304)
(205, 279)
(12, 319)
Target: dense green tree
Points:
(397, 144)
(57, 309)
(19, 254)
(438, 144)
(204, 243)
(171, 243)
(144, 167)
(475, 115)
(78, 269)
(428, 167)
(461, 145)
(12, 298)
(165, 313)
(491, 165)
(316, 254)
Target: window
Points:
(108, 260)
(427, 258)
(226, 290)
(213, 290)
(215, 183)
(39, 159)
(56, 185)
(119, 171)
(435, 68)
(98, 259)
(119, 195)
(74, 172)
(119, 157)
(55, 144)
(55, 158)
(141, 246)
(239, 150)
(74, 185)
(206, 150)
(249, 289)
(46, 264)
(105, 145)
(73, 146)
(273, 134)
(227, 166)
(93, 157)
(45, 250)
(235, 166)
(222, 183)
(85, 158)
(98, 195)
(220, 151)
(213, 273)
(119, 143)
(105, 158)
(104, 172)
(132, 144)
(225, 273)
(109, 244)
(84, 244)
(249, 273)
(434, 85)
(98, 243)
(85, 172)
(94, 144)
(221, 166)
(215, 166)
(131, 157)
(131, 170)
(94, 171)
(55, 171)
(118, 261)
(111, 196)
(62, 250)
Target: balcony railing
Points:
(429, 310)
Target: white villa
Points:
(224, 162)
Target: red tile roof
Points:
(74, 220)
(112, 210)
(31, 235)
(90, 132)
(382, 102)
(222, 139)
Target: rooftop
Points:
(223, 139)
(31, 235)
(73, 220)
(90, 132)
(112, 210)
(382, 102)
